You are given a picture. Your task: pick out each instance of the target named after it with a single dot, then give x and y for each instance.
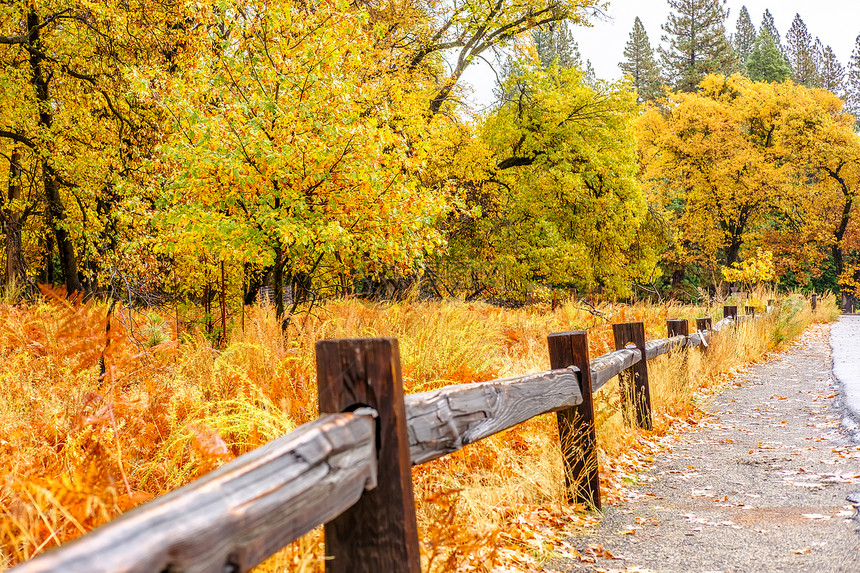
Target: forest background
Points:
(175, 150)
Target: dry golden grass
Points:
(79, 447)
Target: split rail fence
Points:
(350, 469)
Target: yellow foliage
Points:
(756, 269)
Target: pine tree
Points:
(745, 36)
(801, 53)
(556, 43)
(639, 64)
(697, 43)
(831, 73)
(852, 82)
(766, 63)
(768, 24)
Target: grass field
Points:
(94, 421)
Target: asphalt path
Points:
(768, 482)
(845, 343)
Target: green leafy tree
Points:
(801, 53)
(639, 64)
(745, 36)
(766, 63)
(695, 35)
(559, 202)
(285, 156)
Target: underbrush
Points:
(95, 420)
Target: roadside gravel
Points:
(760, 485)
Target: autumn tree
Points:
(81, 133)
(639, 64)
(709, 162)
(696, 41)
(766, 63)
(290, 160)
(558, 202)
(464, 31)
(744, 37)
(801, 53)
(818, 140)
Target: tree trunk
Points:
(733, 251)
(56, 212)
(278, 283)
(12, 226)
(47, 276)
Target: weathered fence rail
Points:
(350, 469)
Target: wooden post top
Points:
(678, 327)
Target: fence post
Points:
(750, 310)
(635, 393)
(576, 429)
(730, 311)
(703, 324)
(678, 327)
(814, 301)
(379, 532)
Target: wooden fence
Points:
(350, 469)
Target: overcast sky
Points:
(836, 22)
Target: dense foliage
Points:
(172, 149)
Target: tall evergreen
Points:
(831, 74)
(639, 64)
(852, 82)
(766, 63)
(745, 36)
(768, 24)
(801, 53)
(696, 43)
(556, 43)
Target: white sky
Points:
(836, 22)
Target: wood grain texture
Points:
(655, 348)
(697, 339)
(730, 311)
(606, 367)
(446, 420)
(635, 390)
(237, 515)
(677, 327)
(379, 532)
(576, 426)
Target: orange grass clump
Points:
(95, 420)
